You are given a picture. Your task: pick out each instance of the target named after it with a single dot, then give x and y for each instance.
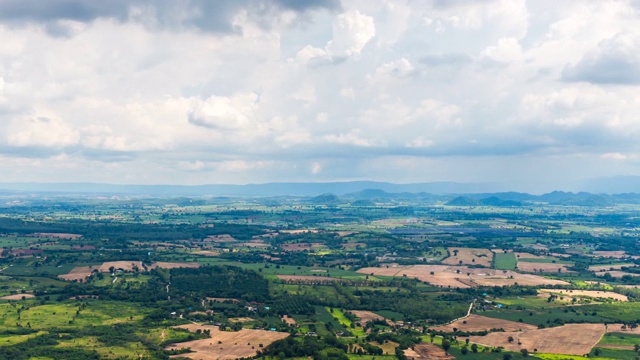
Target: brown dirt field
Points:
(241, 319)
(77, 273)
(297, 232)
(427, 351)
(220, 238)
(598, 268)
(83, 247)
(207, 253)
(616, 274)
(173, 265)
(234, 344)
(609, 253)
(366, 316)
(124, 265)
(353, 245)
(469, 256)
(542, 267)
(300, 246)
(308, 278)
(481, 323)
(556, 340)
(289, 320)
(58, 235)
(388, 348)
(589, 293)
(17, 296)
(252, 244)
(448, 276)
(617, 347)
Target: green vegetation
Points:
(266, 258)
(505, 261)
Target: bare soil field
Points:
(586, 293)
(124, 265)
(83, 247)
(610, 253)
(556, 340)
(297, 232)
(77, 273)
(427, 351)
(233, 345)
(542, 267)
(462, 276)
(616, 273)
(353, 245)
(220, 238)
(311, 279)
(300, 246)
(468, 256)
(17, 296)
(58, 235)
(598, 268)
(366, 316)
(207, 253)
(173, 265)
(481, 323)
(288, 320)
(253, 244)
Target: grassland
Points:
(505, 261)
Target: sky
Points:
(532, 94)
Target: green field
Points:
(504, 261)
(620, 339)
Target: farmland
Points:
(238, 278)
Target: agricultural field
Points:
(227, 278)
(467, 256)
(227, 344)
(571, 339)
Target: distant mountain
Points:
(363, 203)
(495, 201)
(464, 201)
(255, 190)
(325, 199)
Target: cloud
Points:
(216, 16)
(351, 32)
(225, 113)
(42, 131)
(614, 61)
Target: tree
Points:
(510, 339)
(464, 350)
(446, 345)
(524, 352)
(506, 357)
(474, 348)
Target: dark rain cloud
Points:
(206, 15)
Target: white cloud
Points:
(42, 131)
(225, 113)
(351, 32)
(506, 50)
(163, 92)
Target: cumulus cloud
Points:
(225, 113)
(247, 91)
(216, 16)
(42, 131)
(614, 61)
(351, 32)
